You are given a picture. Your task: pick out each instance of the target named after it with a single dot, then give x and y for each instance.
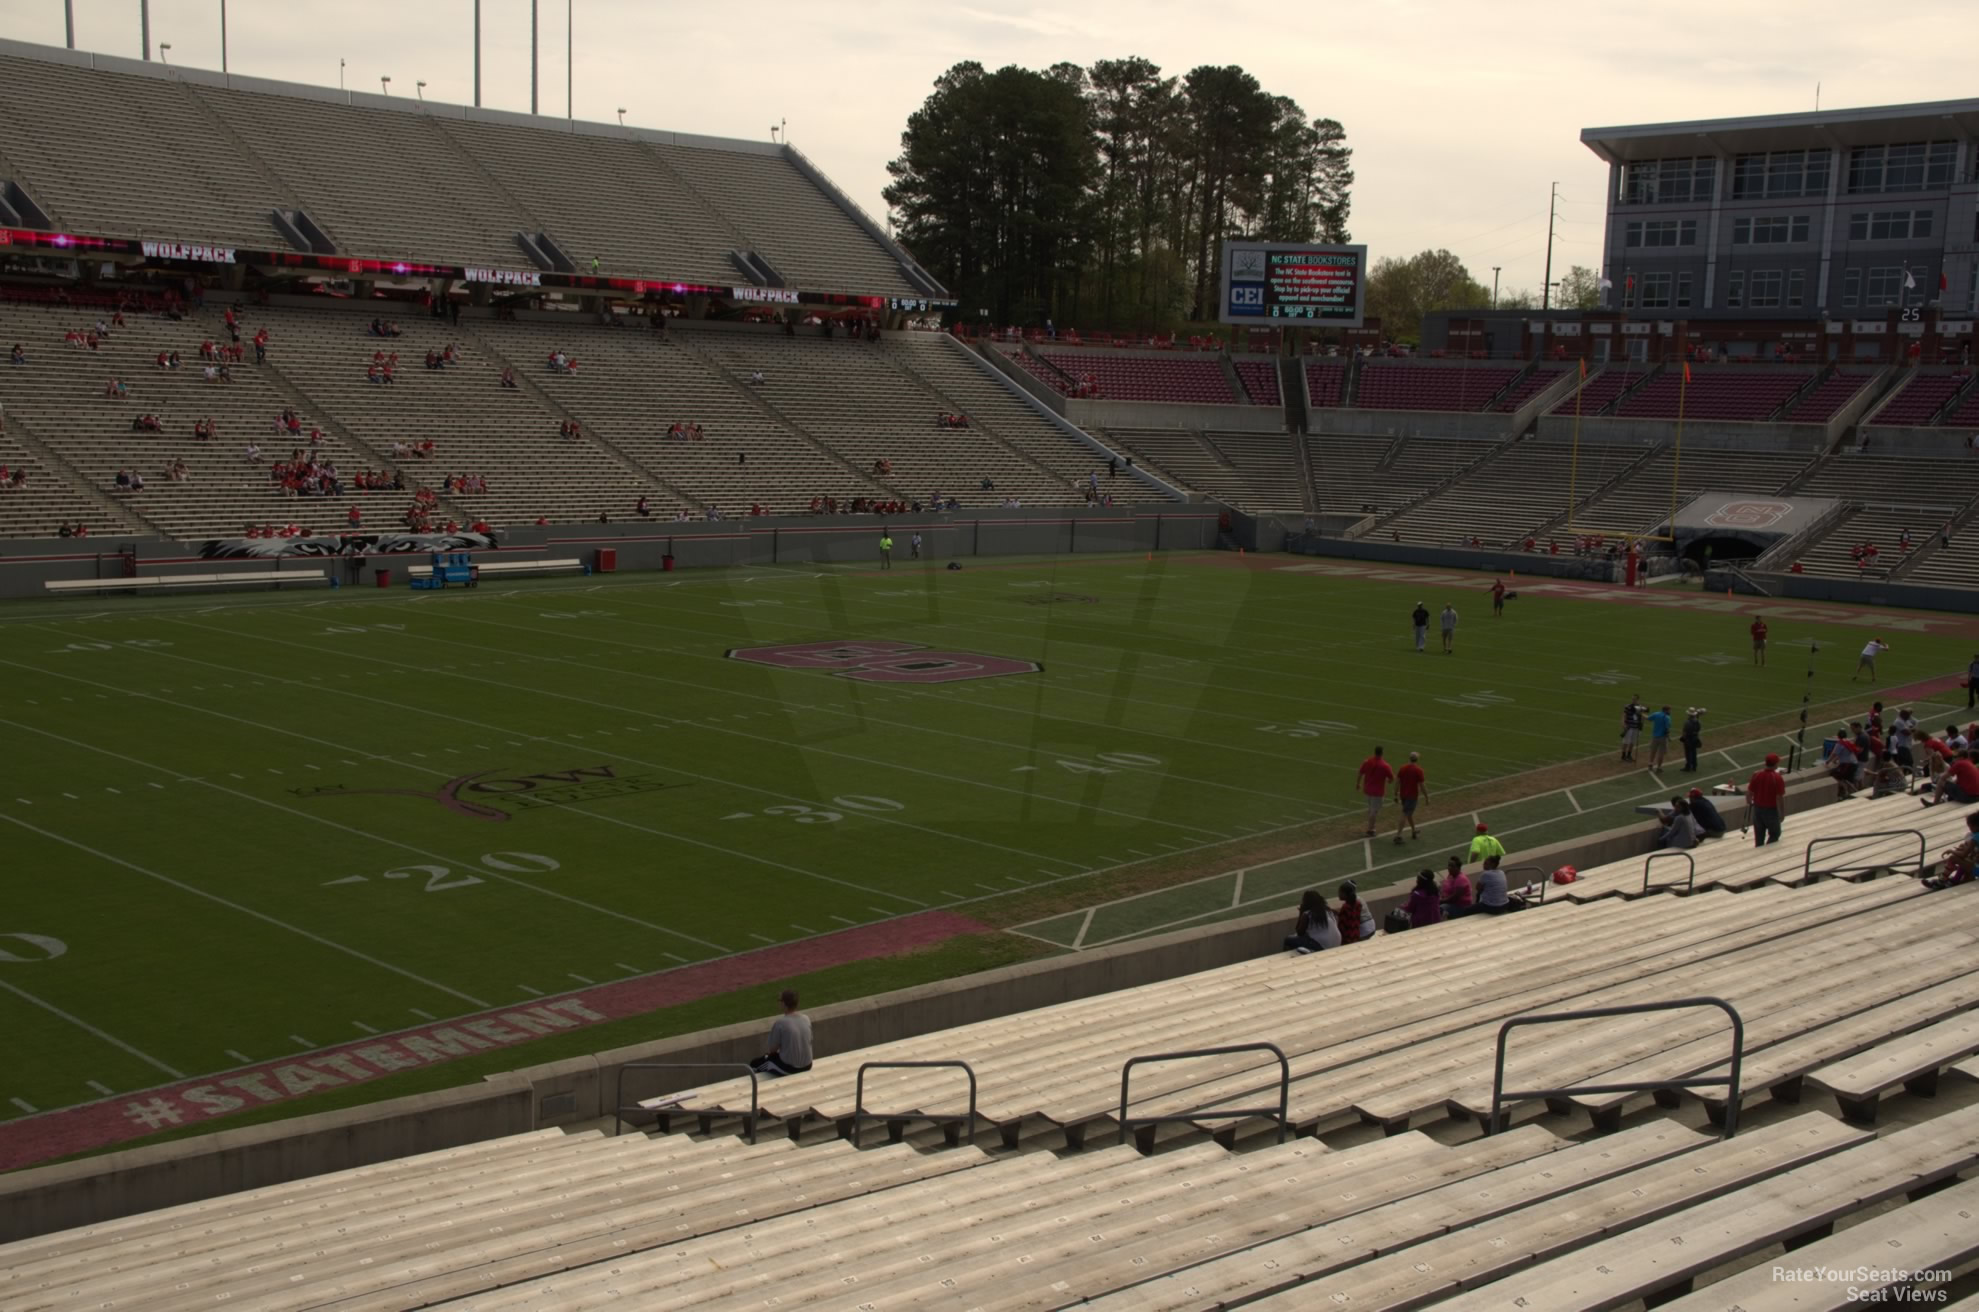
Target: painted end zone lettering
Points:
(39, 1138)
(884, 660)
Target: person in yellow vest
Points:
(886, 549)
(1485, 845)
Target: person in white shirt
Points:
(1449, 628)
(1867, 661)
(253, 454)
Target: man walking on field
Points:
(1420, 618)
(1759, 642)
(1374, 776)
(1867, 661)
(1409, 789)
(1498, 599)
(1449, 628)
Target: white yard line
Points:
(88, 1028)
(231, 905)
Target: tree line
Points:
(1102, 196)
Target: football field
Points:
(275, 853)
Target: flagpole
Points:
(1676, 465)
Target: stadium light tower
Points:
(163, 46)
(621, 115)
(340, 75)
(69, 16)
(477, 54)
(223, 36)
(419, 89)
(385, 84)
(532, 56)
(144, 26)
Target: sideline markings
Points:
(240, 1057)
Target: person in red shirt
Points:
(1374, 776)
(356, 517)
(1961, 783)
(1765, 794)
(1409, 789)
(1498, 598)
(1759, 642)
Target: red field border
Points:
(49, 1135)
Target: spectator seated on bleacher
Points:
(355, 517)
(1959, 781)
(882, 467)
(1315, 929)
(432, 359)
(1355, 916)
(643, 508)
(177, 472)
(18, 355)
(755, 509)
(1423, 906)
(147, 423)
(450, 355)
(115, 388)
(508, 377)
(1958, 863)
(1677, 832)
(569, 430)
(122, 482)
(1844, 763)
(1882, 776)
(562, 362)
(1493, 897)
(253, 453)
(1704, 814)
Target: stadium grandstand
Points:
(289, 323)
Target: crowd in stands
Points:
(413, 450)
(466, 483)
(75, 530)
(570, 430)
(562, 362)
(12, 480)
(446, 358)
(945, 420)
(306, 475)
(378, 328)
(685, 432)
(384, 366)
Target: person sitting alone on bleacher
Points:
(1356, 917)
(1493, 898)
(451, 355)
(790, 1041)
(432, 359)
(253, 453)
(122, 482)
(1710, 824)
(1959, 861)
(643, 508)
(18, 355)
(1423, 905)
(1679, 833)
(163, 360)
(756, 378)
(1316, 929)
(508, 377)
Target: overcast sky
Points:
(1461, 113)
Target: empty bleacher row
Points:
(1827, 397)
(1388, 385)
(1194, 380)
(1260, 380)
(1899, 493)
(1918, 399)
(1643, 502)
(1863, 992)
(1503, 500)
(217, 159)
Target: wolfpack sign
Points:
(505, 277)
(178, 250)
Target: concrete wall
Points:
(1854, 592)
(1409, 423)
(1596, 569)
(25, 566)
(1927, 441)
(1809, 438)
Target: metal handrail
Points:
(1807, 870)
(859, 1112)
(755, 1085)
(1281, 1113)
(1500, 1094)
(1690, 880)
(1544, 879)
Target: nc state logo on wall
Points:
(881, 660)
(1749, 514)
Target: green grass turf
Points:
(158, 753)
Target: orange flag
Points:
(1583, 366)
(1686, 373)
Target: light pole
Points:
(1494, 285)
(621, 115)
(340, 75)
(419, 89)
(223, 36)
(385, 85)
(163, 46)
(69, 15)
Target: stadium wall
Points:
(1594, 569)
(27, 566)
(581, 1091)
(1716, 435)
(1851, 592)
(1341, 422)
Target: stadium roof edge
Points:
(1831, 127)
(374, 100)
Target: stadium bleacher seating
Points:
(1182, 456)
(1326, 382)
(1540, 1214)
(673, 210)
(1387, 385)
(1537, 379)
(1601, 389)
(1899, 491)
(1919, 398)
(1828, 397)
(1738, 394)
(1270, 464)
(1196, 380)
(1504, 499)
(1260, 380)
(1644, 501)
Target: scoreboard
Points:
(1293, 283)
